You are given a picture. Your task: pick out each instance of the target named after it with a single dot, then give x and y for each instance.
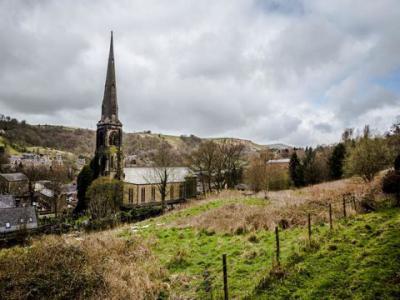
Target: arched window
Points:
(143, 194)
(114, 139)
(153, 193)
(130, 195)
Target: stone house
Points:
(7, 201)
(17, 218)
(141, 186)
(279, 163)
(14, 184)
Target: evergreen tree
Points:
(336, 161)
(397, 163)
(391, 181)
(296, 171)
(84, 180)
(310, 168)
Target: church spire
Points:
(109, 109)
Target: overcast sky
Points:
(292, 71)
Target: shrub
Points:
(57, 270)
(367, 158)
(105, 197)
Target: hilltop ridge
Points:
(20, 137)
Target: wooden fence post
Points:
(330, 216)
(277, 244)
(344, 206)
(309, 228)
(208, 283)
(225, 272)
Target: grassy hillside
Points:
(359, 260)
(20, 136)
(169, 256)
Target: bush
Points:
(57, 270)
(367, 158)
(105, 197)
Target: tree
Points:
(367, 158)
(203, 160)
(35, 174)
(255, 175)
(347, 135)
(310, 167)
(336, 161)
(391, 181)
(161, 172)
(104, 197)
(393, 137)
(296, 171)
(57, 176)
(4, 158)
(84, 180)
(232, 155)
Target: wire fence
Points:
(345, 207)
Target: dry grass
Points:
(98, 266)
(287, 208)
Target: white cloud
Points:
(295, 71)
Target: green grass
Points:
(209, 205)
(360, 260)
(188, 252)
(9, 149)
(353, 262)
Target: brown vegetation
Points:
(98, 266)
(285, 208)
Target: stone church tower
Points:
(109, 129)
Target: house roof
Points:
(14, 215)
(279, 161)
(70, 188)
(7, 201)
(149, 175)
(47, 192)
(14, 176)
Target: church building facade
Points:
(140, 187)
(109, 129)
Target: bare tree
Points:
(57, 177)
(160, 174)
(233, 161)
(258, 174)
(203, 160)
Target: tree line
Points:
(364, 155)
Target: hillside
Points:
(20, 137)
(178, 255)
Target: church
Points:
(140, 185)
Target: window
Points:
(171, 192)
(22, 220)
(153, 193)
(181, 191)
(130, 195)
(143, 194)
(112, 162)
(114, 139)
(8, 225)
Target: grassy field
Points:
(175, 256)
